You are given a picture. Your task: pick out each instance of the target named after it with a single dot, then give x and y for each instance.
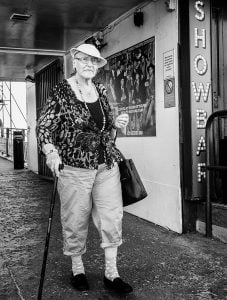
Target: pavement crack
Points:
(6, 264)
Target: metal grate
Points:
(45, 80)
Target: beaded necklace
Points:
(82, 98)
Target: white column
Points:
(32, 153)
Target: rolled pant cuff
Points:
(107, 245)
(73, 253)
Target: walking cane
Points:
(52, 203)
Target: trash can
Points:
(18, 149)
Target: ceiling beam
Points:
(32, 51)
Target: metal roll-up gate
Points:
(45, 80)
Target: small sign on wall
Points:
(169, 79)
(169, 92)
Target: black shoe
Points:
(80, 282)
(118, 285)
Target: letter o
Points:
(196, 61)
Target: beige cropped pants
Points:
(85, 192)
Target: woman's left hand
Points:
(121, 121)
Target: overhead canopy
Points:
(33, 32)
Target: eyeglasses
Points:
(85, 60)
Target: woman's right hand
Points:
(53, 161)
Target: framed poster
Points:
(129, 77)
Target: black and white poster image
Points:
(130, 80)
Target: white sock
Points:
(77, 265)
(111, 271)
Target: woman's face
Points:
(86, 66)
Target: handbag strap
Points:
(115, 135)
(115, 138)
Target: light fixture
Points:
(29, 78)
(138, 18)
(19, 17)
(97, 40)
(170, 5)
(29, 75)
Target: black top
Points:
(96, 112)
(97, 115)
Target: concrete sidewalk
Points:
(159, 264)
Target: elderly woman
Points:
(79, 114)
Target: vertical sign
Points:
(201, 103)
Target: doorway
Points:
(219, 96)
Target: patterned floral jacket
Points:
(66, 123)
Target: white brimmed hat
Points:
(91, 50)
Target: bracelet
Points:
(51, 151)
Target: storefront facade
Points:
(155, 151)
(161, 71)
(202, 93)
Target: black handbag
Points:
(132, 186)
